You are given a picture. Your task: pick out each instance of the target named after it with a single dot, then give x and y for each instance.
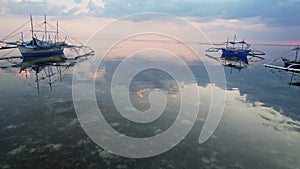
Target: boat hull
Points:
(290, 63)
(240, 55)
(39, 52)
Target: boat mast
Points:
(243, 44)
(45, 22)
(22, 37)
(31, 23)
(57, 31)
(297, 50)
(234, 40)
(227, 42)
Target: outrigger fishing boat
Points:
(290, 62)
(294, 64)
(44, 52)
(235, 53)
(47, 70)
(42, 43)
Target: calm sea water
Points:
(259, 128)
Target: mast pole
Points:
(234, 40)
(45, 22)
(31, 23)
(56, 31)
(297, 50)
(227, 42)
(243, 44)
(22, 37)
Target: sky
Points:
(260, 21)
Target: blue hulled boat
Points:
(236, 51)
(235, 54)
(39, 48)
(42, 40)
(44, 47)
(43, 43)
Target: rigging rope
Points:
(72, 37)
(279, 57)
(14, 31)
(7, 53)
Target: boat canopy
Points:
(241, 42)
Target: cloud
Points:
(271, 12)
(35, 7)
(95, 7)
(78, 1)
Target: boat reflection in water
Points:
(47, 69)
(44, 69)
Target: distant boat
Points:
(47, 44)
(295, 63)
(236, 52)
(290, 63)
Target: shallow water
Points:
(259, 127)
